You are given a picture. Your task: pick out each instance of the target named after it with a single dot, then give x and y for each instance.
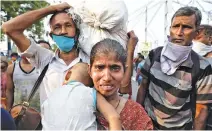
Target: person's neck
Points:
(26, 65)
(113, 99)
(25, 61)
(68, 57)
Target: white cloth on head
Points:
(201, 49)
(172, 56)
(101, 19)
(110, 15)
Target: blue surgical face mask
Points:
(64, 43)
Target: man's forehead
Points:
(184, 19)
(63, 16)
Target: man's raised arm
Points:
(15, 27)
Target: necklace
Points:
(118, 104)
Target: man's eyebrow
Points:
(176, 24)
(115, 65)
(186, 25)
(57, 24)
(97, 65)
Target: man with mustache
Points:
(171, 87)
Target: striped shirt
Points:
(168, 98)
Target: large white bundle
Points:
(101, 19)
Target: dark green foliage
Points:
(11, 9)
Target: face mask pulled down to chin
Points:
(64, 43)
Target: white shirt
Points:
(57, 69)
(70, 107)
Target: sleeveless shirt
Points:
(24, 82)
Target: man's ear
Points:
(210, 40)
(89, 70)
(50, 34)
(198, 34)
(77, 34)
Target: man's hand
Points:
(132, 42)
(61, 7)
(126, 81)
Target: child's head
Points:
(79, 72)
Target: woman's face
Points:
(107, 73)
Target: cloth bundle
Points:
(101, 19)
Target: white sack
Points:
(101, 19)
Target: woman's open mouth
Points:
(106, 87)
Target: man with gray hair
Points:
(176, 84)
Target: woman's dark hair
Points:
(106, 47)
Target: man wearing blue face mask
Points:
(176, 86)
(63, 32)
(64, 43)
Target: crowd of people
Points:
(175, 81)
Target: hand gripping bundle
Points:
(100, 19)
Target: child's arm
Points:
(109, 112)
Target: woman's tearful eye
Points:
(115, 68)
(99, 67)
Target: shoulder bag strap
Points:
(37, 83)
(153, 56)
(195, 74)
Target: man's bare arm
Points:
(10, 87)
(142, 91)
(125, 84)
(15, 27)
(201, 117)
(138, 72)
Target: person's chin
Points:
(179, 43)
(107, 93)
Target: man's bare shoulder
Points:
(10, 69)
